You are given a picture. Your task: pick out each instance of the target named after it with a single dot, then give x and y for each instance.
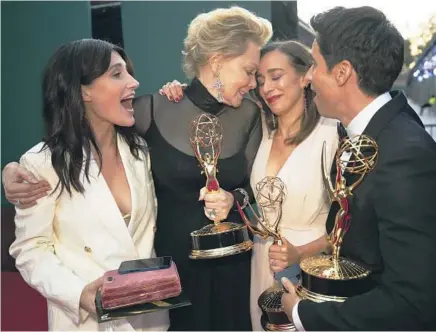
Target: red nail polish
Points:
(177, 100)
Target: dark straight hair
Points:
(365, 38)
(69, 135)
(301, 60)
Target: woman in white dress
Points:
(293, 136)
(102, 209)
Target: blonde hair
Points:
(223, 31)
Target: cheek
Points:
(107, 104)
(244, 82)
(104, 95)
(314, 79)
(290, 87)
(236, 83)
(109, 108)
(294, 95)
(317, 77)
(285, 84)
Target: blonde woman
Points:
(221, 54)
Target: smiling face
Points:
(238, 75)
(324, 83)
(109, 97)
(280, 86)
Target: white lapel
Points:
(103, 204)
(144, 204)
(136, 176)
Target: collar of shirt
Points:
(359, 123)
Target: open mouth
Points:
(127, 102)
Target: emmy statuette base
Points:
(273, 316)
(221, 240)
(221, 252)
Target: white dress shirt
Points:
(354, 128)
(361, 120)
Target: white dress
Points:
(305, 207)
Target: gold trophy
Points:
(220, 238)
(332, 277)
(269, 198)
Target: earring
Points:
(219, 86)
(274, 121)
(305, 99)
(305, 105)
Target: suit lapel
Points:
(397, 105)
(135, 173)
(102, 204)
(387, 113)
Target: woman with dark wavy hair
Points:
(102, 210)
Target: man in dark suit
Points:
(358, 54)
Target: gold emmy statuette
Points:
(219, 239)
(332, 277)
(270, 196)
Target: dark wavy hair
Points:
(301, 60)
(69, 135)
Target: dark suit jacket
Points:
(393, 231)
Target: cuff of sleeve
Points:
(296, 319)
(83, 315)
(73, 309)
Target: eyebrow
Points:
(271, 70)
(252, 66)
(118, 65)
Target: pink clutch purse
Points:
(123, 290)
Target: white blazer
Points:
(65, 242)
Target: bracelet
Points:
(246, 199)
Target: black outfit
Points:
(219, 289)
(393, 231)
